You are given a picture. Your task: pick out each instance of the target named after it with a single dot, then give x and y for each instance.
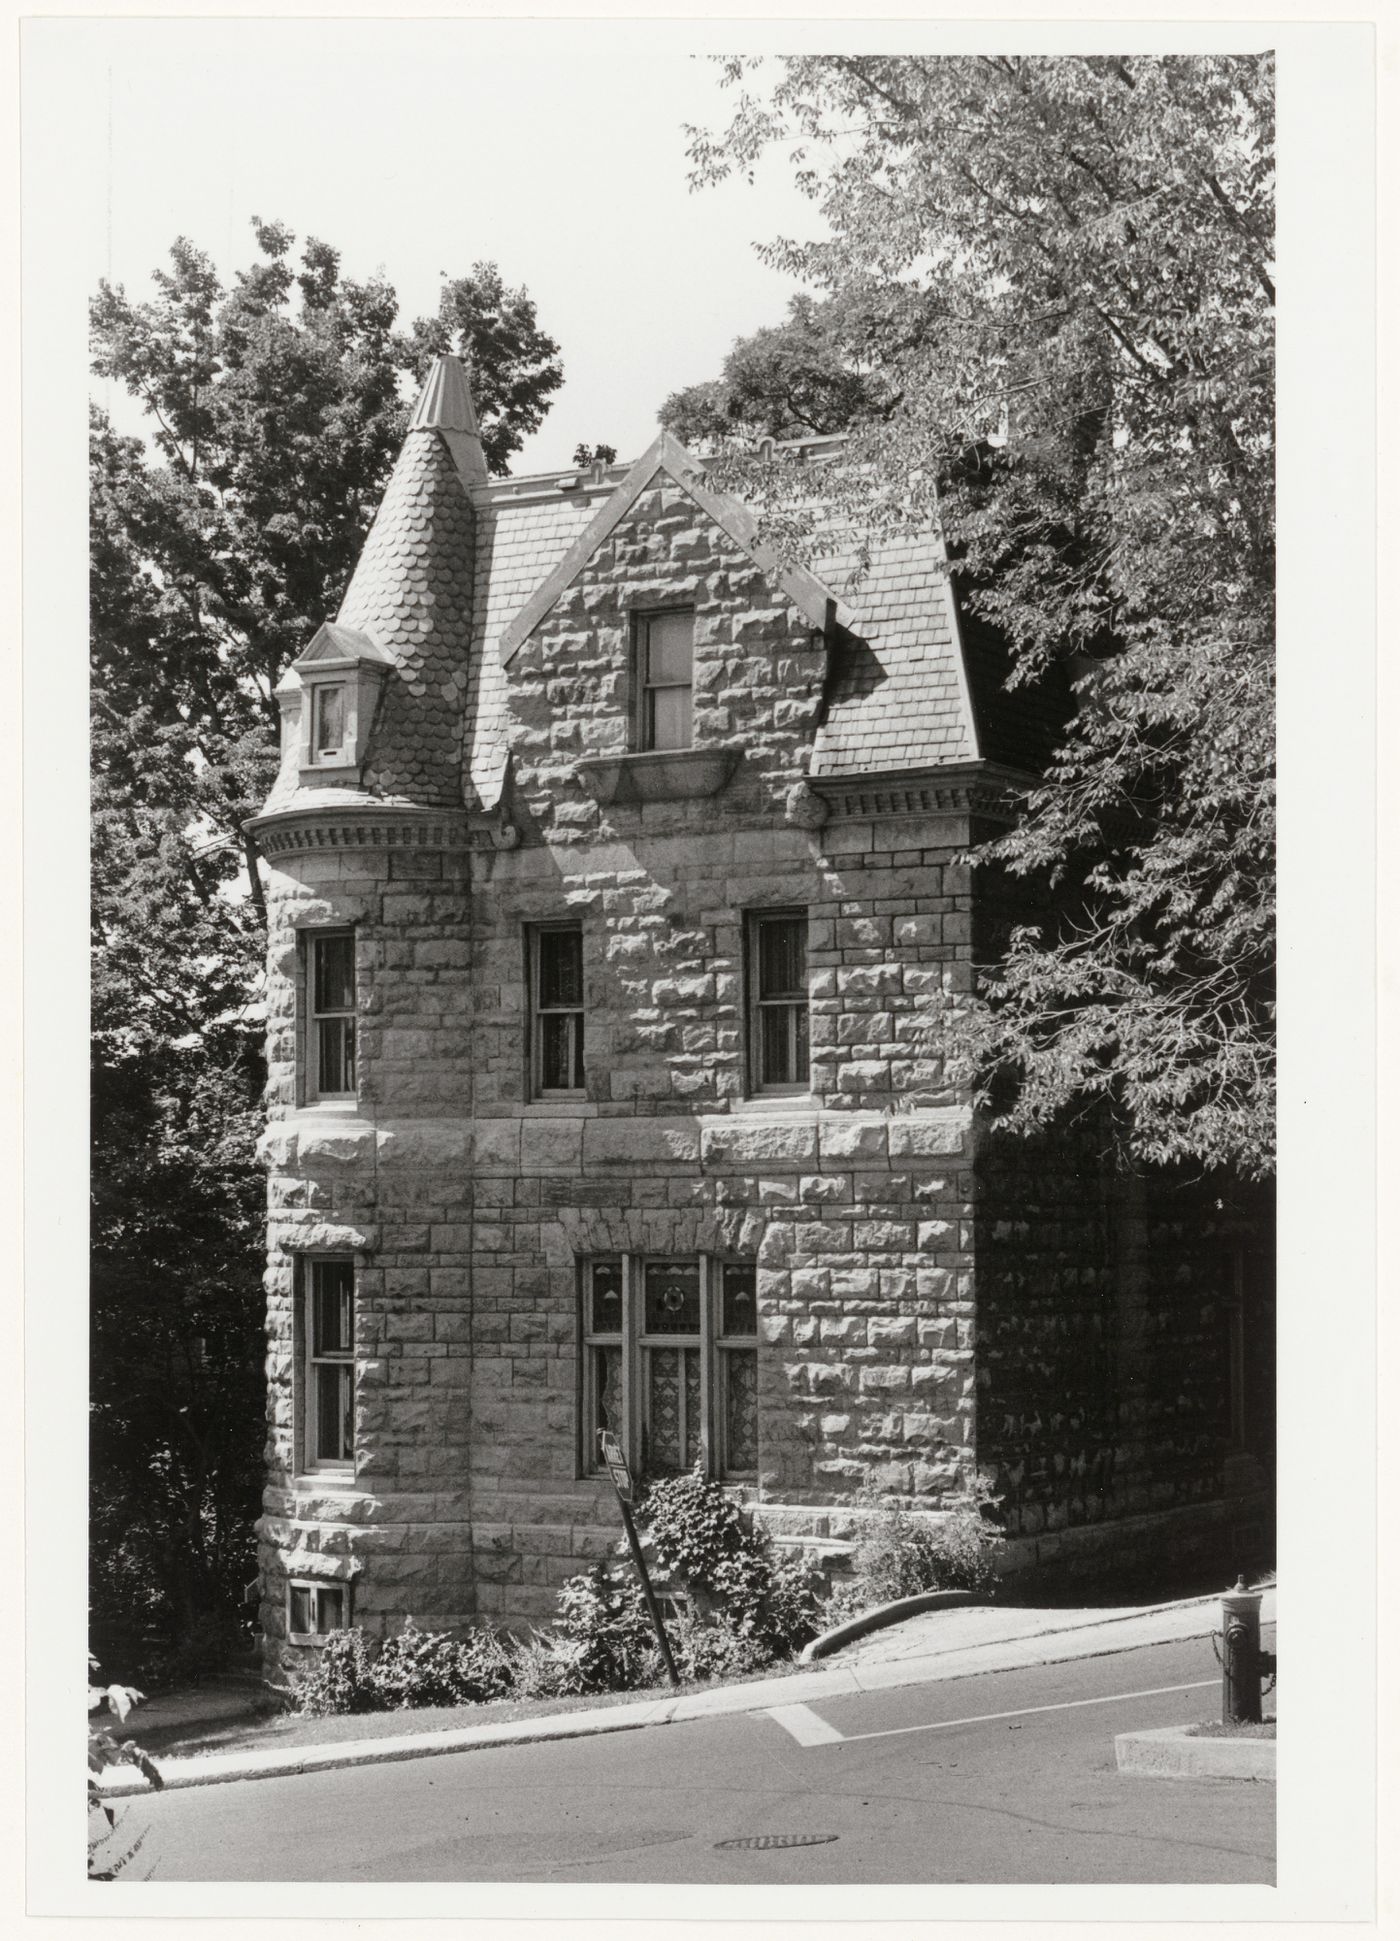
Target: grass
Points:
(266, 1726)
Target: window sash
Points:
(780, 1029)
(313, 1610)
(557, 1012)
(329, 1389)
(329, 712)
(666, 676)
(333, 1007)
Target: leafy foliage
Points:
(750, 1609)
(793, 379)
(275, 412)
(104, 1752)
(702, 1538)
(411, 1668)
(1061, 270)
(899, 1555)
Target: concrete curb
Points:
(882, 1615)
(1171, 1753)
(1053, 1644)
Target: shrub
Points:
(342, 1678)
(703, 1539)
(411, 1668)
(712, 1647)
(600, 1641)
(429, 1668)
(899, 1555)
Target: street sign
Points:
(610, 1449)
(616, 1464)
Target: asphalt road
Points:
(1004, 1778)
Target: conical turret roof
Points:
(411, 592)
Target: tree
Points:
(1063, 272)
(802, 377)
(275, 413)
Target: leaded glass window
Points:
(670, 1363)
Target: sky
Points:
(419, 148)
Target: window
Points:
(329, 1388)
(315, 1609)
(778, 1050)
(665, 655)
(556, 1023)
(670, 1363)
(331, 1071)
(328, 721)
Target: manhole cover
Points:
(757, 1841)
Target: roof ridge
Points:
(666, 454)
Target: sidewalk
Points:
(933, 1646)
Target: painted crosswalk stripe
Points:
(804, 1725)
(1021, 1712)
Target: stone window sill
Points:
(766, 1102)
(662, 775)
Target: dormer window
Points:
(329, 697)
(665, 654)
(328, 718)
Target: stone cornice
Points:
(357, 826)
(962, 788)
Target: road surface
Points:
(1008, 1778)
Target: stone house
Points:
(615, 899)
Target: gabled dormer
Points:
(329, 699)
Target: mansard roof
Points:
(458, 569)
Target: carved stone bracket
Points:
(803, 808)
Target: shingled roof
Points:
(458, 569)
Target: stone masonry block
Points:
(739, 1142)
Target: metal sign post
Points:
(616, 1465)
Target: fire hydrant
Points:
(1243, 1663)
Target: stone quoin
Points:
(616, 902)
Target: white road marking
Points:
(1023, 1712)
(804, 1725)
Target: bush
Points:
(600, 1641)
(342, 1678)
(429, 1668)
(412, 1668)
(899, 1555)
(702, 1538)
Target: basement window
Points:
(314, 1610)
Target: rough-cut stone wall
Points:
(389, 1183)
(1103, 1369)
(891, 1251)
